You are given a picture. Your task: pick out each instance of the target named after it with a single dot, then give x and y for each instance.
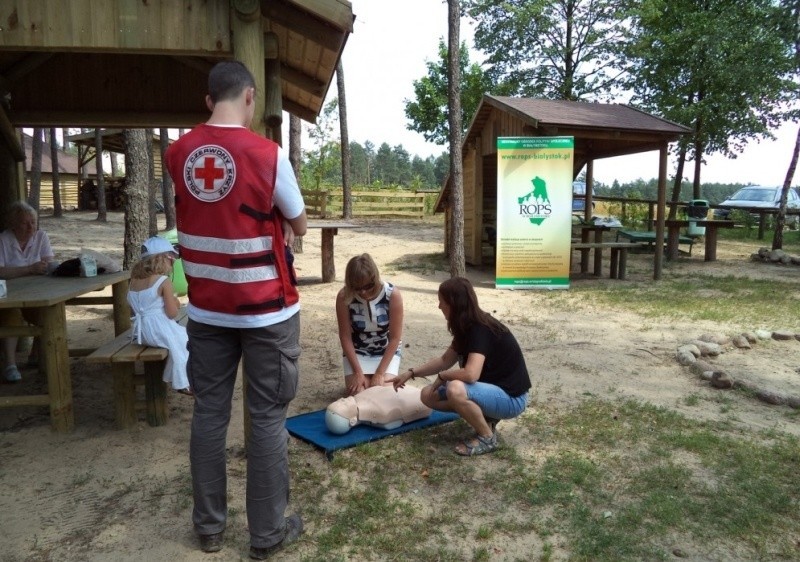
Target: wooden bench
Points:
(123, 355)
(619, 256)
(649, 237)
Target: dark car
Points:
(759, 197)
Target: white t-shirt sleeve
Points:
(287, 196)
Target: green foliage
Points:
(720, 67)
(428, 113)
(558, 49)
(322, 165)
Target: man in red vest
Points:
(238, 210)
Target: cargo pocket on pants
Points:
(287, 379)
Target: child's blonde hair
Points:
(159, 264)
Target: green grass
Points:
(614, 480)
(703, 297)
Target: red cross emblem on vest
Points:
(209, 173)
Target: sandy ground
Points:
(89, 494)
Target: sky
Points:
(388, 49)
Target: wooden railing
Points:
(651, 206)
(326, 204)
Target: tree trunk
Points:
(456, 250)
(36, 169)
(136, 194)
(698, 165)
(167, 187)
(295, 157)
(347, 197)
(676, 187)
(83, 151)
(57, 210)
(151, 184)
(780, 219)
(101, 186)
(295, 154)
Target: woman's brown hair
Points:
(460, 297)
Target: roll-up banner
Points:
(534, 212)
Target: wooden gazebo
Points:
(600, 131)
(128, 63)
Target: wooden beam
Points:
(300, 111)
(195, 63)
(11, 137)
(624, 151)
(30, 400)
(26, 65)
(273, 106)
(93, 119)
(305, 24)
(338, 13)
(303, 81)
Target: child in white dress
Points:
(153, 301)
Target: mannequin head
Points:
(342, 415)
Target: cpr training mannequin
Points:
(378, 406)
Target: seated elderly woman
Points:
(24, 250)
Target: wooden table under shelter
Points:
(48, 297)
(592, 233)
(711, 226)
(329, 230)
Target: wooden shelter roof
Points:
(128, 63)
(600, 130)
(113, 140)
(67, 163)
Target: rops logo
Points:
(535, 205)
(209, 173)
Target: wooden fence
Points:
(326, 204)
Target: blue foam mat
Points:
(311, 427)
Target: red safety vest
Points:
(231, 239)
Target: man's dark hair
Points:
(227, 80)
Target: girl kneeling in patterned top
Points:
(369, 312)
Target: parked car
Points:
(759, 197)
(579, 203)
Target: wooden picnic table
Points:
(329, 230)
(712, 226)
(592, 233)
(48, 296)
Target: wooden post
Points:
(155, 393)
(8, 168)
(56, 365)
(121, 310)
(587, 216)
(124, 395)
(587, 211)
(328, 265)
(273, 94)
(248, 48)
(660, 211)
